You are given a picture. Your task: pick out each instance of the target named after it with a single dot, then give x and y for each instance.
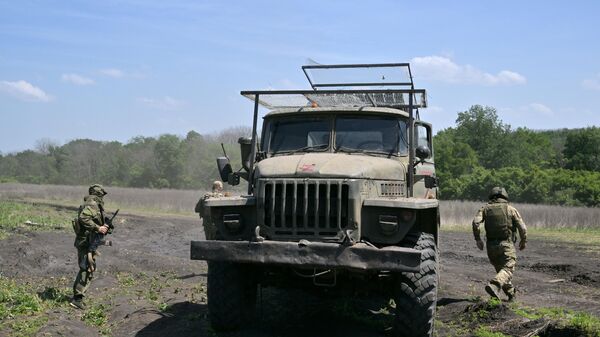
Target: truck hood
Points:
(331, 165)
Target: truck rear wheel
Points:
(231, 295)
(416, 293)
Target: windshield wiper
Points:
(310, 148)
(350, 150)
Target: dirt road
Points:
(147, 285)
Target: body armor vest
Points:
(497, 222)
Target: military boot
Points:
(77, 303)
(510, 292)
(493, 290)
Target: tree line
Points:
(166, 161)
(552, 167)
(479, 152)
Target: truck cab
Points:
(342, 193)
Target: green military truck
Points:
(342, 194)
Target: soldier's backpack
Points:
(76, 227)
(497, 221)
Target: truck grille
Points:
(305, 208)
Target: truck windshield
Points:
(373, 134)
(297, 134)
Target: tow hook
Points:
(257, 236)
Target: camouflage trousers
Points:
(210, 230)
(503, 257)
(86, 271)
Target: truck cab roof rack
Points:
(357, 85)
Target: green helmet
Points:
(498, 192)
(97, 190)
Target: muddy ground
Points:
(147, 285)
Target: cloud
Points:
(443, 69)
(76, 79)
(540, 108)
(112, 72)
(24, 91)
(592, 84)
(531, 108)
(165, 103)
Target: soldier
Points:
(217, 192)
(90, 223)
(502, 221)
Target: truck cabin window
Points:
(384, 135)
(297, 134)
(364, 134)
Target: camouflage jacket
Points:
(200, 205)
(517, 221)
(90, 217)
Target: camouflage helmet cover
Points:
(498, 192)
(97, 190)
(217, 185)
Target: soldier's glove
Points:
(522, 244)
(479, 244)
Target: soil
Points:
(148, 286)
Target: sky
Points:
(113, 70)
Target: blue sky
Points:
(112, 70)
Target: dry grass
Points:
(461, 213)
(166, 200)
(454, 213)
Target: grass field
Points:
(454, 213)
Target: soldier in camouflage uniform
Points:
(502, 221)
(89, 223)
(209, 229)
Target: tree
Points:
(481, 129)
(452, 156)
(169, 160)
(582, 149)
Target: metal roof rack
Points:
(394, 82)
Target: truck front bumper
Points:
(359, 256)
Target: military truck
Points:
(342, 194)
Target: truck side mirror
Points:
(224, 168)
(422, 152)
(246, 152)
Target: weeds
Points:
(456, 213)
(95, 315)
(14, 215)
(484, 331)
(22, 309)
(582, 321)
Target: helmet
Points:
(217, 186)
(498, 192)
(97, 190)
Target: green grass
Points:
(14, 214)
(585, 322)
(22, 308)
(96, 315)
(484, 331)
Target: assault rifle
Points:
(109, 222)
(98, 239)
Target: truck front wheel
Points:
(416, 293)
(231, 295)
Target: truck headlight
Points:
(388, 224)
(232, 222)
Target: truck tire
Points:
(416, 293)
(231, 295)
